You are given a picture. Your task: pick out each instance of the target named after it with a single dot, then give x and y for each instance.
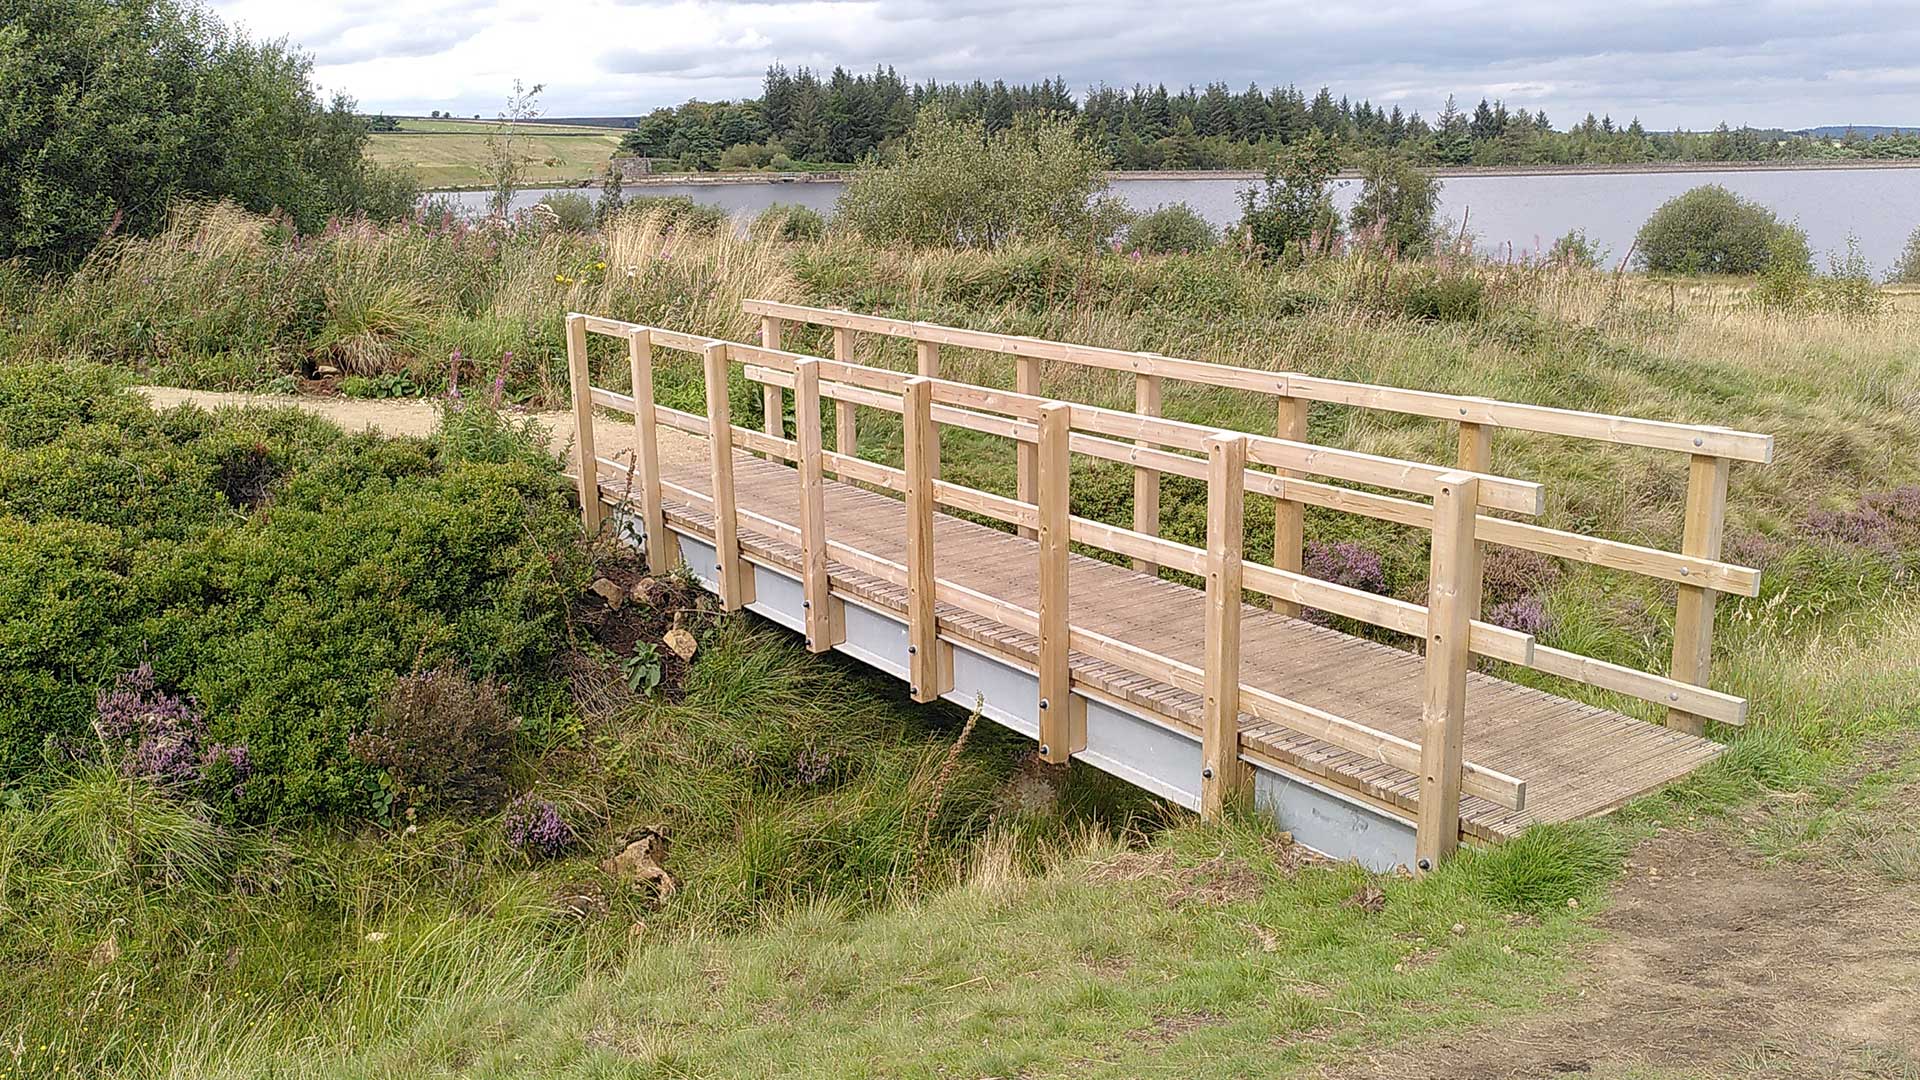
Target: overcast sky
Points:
(1689, 63)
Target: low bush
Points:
(958, 185)
(1906, 269)
(790, 222)
(275, 571)
(679, 213)
(1170, 230)
(1397, 206)
(444, 739)
(572, 210)
(1710, 230)
(1448, 295)
(1575, 250)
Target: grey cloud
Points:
(1691, 63)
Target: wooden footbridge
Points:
(1362, 749)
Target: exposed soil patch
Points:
(627, 610)
(1715, 965)
(1166, 1029)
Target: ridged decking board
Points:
(1577, 760)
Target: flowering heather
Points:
(1886, 522)
(1514, 574)
(158, 735)
(1346, 562)
(1527, 615)
(811, 766)
(536, 827)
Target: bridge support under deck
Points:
(1122, 740)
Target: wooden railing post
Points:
(1444, 707)
(770, 403)
(1063, 725)
(1146, 482)
(922, 459)
(735, 584)
(580, 382)
(1026, 380)
(646, 451)
(1289, 516)
(845, 440)
(1476, 456)
(926, 361)
(824, 627)
(1221, 772)
(1693, 617)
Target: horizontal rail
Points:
(1598, 427)
(1497, 492)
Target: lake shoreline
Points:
(1174, 175)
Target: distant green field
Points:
(453, 126)
(453, 153)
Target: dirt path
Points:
(419, 418)
(1715, 965)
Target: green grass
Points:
(452, 155)
(455, 126)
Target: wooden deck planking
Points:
(1577, 760)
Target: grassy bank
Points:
(453, 154)
(853, 900)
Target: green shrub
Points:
(1453, 295)
(1848, 288)
(1574, 250)
(279, 572)
(680, 212)
(957, 185)
(790, 222)
(1292, 210)
(110, 111)
(1170, 230)
(1710, 230)
(1906, 269)
(1397, 204)
(573, 211)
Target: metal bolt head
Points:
(1698, 441)
(912, 649)
(1045, 750)
(1206, 773)
(1425, 865)
(806, 605)
(1043, 703)
(913, 690)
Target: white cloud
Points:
(1690, 63)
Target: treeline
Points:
(801, 119)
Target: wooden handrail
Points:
(1624, 430)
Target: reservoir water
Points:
(1505, 214)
